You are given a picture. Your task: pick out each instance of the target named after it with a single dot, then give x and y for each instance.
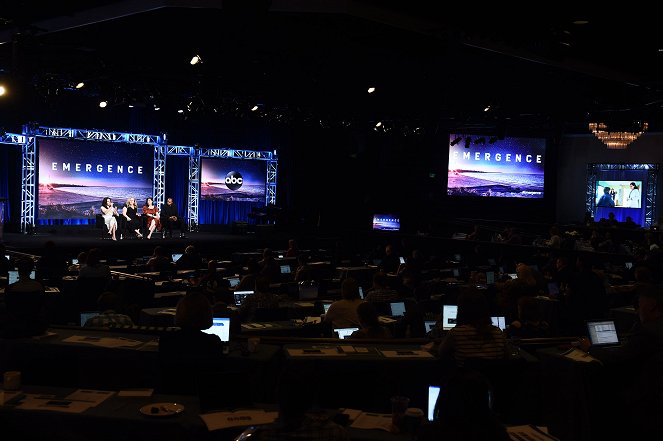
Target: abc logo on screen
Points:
(234, 180)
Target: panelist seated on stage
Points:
(131, 217)
(171, 219)
(152, 217)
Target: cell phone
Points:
(402, 259)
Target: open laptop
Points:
(602, 333)
(220, 327)
(86, 315)
(344, 332)
(240, 296)
(12, 276)
(285, 269)
(449, 313)
(326, 307)
(176, 256)
(233, 281)
(500, 322)
(429, 325)
(397, 309)
(433, 394)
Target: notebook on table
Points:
(602, 333)
(449, 313)
(343, 333)
(240, 296)
(220, 327)
(397, 309)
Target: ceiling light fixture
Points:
(371, 89)
(196, 59)
(103, 104)
(3, 90)
(617, 139)
(254, 108)
(80, 85)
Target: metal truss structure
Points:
(31, 132)
(650, 196)
(27, 176)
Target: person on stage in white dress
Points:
(109, 211)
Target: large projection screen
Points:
(75, 175)
(238, 180)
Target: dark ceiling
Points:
(311, 62)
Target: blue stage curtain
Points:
(225, 212)
(637, 214)
(177, 183)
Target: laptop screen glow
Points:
(86, 315)
(361, 293)
(234, 281)
(490, 277)
(397, 309)
(449, 316)
(345, 332)
(285, 269)
(602, 332)
(220, 327)
(176, 257)
(240, 296)
(429, 324)
(433, 394)
(326, 306)
(500, 322)
(12, 276)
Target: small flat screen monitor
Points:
(220, 327)
(490, 277)
(386, 222)
(74, 261)
(449, 313)
(343, 333)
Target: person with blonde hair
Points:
(130, 214)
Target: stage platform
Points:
(73, 239)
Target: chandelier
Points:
(616, 140)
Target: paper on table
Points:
(91, 396)
(416, 353)
(576, 354)
(106, 342)
(33, 402)
(373, 421)
(221, 420)
(146, 392)
(529, 433)
(305, 304)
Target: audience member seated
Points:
(269, 267)
(530, 324)
(298, 418)
(93, 267)
(26, 306)
(52, 265)
(263, 298)
(293, 250)
(161, 261)
(370, 326)
(248, 280)
(380, 291)
(474, 336)
(510, 290)
(185, 353)
(190, 260)
(109, 304)
(586, 298)
(639, 392)
(463, 411)
(304, 272)
(82, 259)
(390, 262)
(343, 313)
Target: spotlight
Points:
(196, 59)
(3, 90)
(371, 89)
(456, 141)
(80, 85)
(379, 124)
(254, 108)
(103, 104)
